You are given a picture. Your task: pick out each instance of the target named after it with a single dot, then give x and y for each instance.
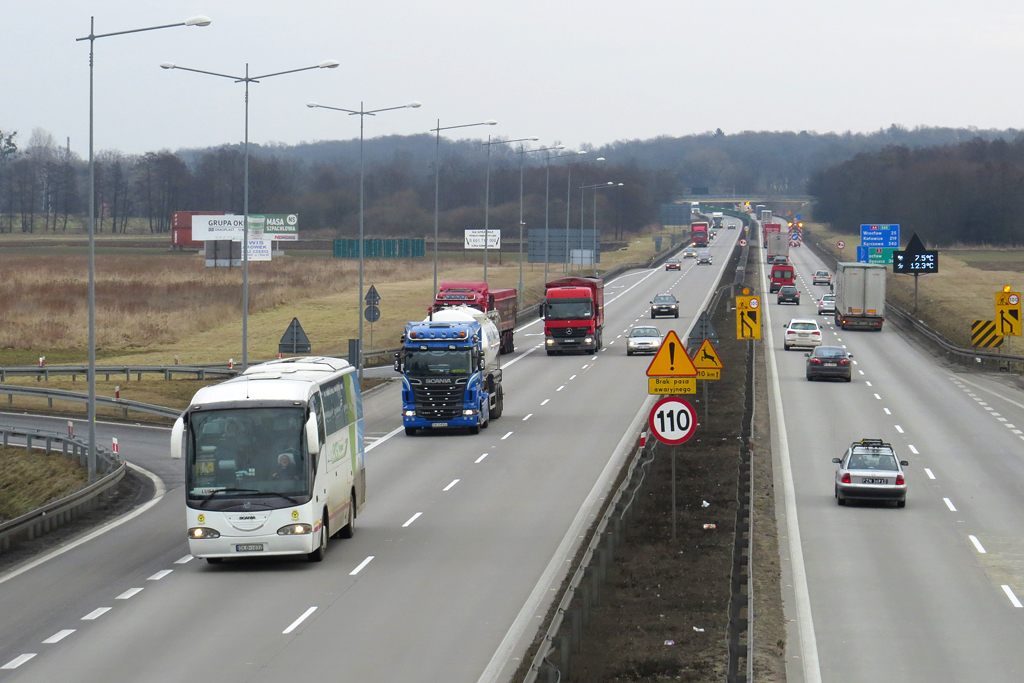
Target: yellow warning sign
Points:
(706, 358)
(1008, 318)
(671, 359)
(671, 385)
(748, 317)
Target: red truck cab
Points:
(573, 315)
(781, 274)
(699, 234)
(480, 296)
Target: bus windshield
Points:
(439, 362)
(247, 452)
(568, 309)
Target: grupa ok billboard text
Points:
(274, 227)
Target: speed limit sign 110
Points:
(673, 420)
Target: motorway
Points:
(931, 592)
(462, 546)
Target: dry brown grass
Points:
(29, 480)
(949, 300)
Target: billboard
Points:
(475, 239)
(229, 227)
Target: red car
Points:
(673, 264)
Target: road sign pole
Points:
(705, 403)
(915, 292)
(673, 449)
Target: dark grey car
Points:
(789, 294)
(664, 304)
(829, 361)
(870, 470)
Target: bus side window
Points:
(318, 407)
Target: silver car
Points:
(643, 340)
(870, 470)
(827, 304)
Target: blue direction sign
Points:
(880, 235)
(881, 255)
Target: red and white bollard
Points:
(117, 391)
(42, 359)
(175, 359)
(231, 363)
(71, 428)
(643, 439)
(113, 446)
(280, 355)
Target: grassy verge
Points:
(963, 290)
(31, 479)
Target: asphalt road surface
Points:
(926, 593)
(461, 547)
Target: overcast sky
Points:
(564, 70)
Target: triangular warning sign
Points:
(671, 359)
(706, 358)
(915, 245)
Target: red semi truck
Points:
(573, 313)
(699, 234)
(181, 229)
(481, 297)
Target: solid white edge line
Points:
(159, 491)
(454, 482)
(949, 504)
(59, 636)
(295, 624)
(542, 588)
(18, 661)
(361, 565)
(382, 439)
(1013, 598)
(977, 545)
(95, 614)
(931, 475)
(412, 519)
(805, 621)
(130, 593)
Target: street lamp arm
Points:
(329, 64)
(352, 112)
(489, 122)
(532, 138)
(194, 21)
(236, 79)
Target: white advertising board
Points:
(475, 239)
(259, 250)
(269, 226)
(211, 228)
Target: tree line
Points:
(969, 193)
(44, 185)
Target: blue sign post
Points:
(880, 235)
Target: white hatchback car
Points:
(801, 332)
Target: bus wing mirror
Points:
(312, 436)
(177, 438)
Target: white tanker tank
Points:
(490, 344)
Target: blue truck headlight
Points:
(409, 413)
(469, 411)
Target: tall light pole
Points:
(437, 178)
(487, 192)
(595, 188)
(523, 152)
(547, 203)
(362, 114)
(581, 220)
(247, 79)
(193, 21)
(568, 202)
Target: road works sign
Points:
(983, 333)
(672, 420)
(671, 371)
(748, 317)
(707, 362)
(1008, 314)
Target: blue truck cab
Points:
(450, 374)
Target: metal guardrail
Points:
(168, 371)
(47, 518)
(60, 394)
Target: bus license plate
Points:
(438, 424)
(249, 548)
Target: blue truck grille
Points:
(439, 401)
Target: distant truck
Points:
(181, 229)
(718, 219)
(573, 312)
(860, 295)
(778, 247)
(765, 215)
(757, 210)
(699, 234)
(480, 296)
(451, 373)
(767, 230)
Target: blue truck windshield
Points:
(246, 452)
(568, 309)
(438, 362)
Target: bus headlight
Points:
(295, 530)
(203, 532)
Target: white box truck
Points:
(778, 247)
(860, 296)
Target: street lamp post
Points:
(568, 207)
(362, 114)
(523, 152)
(595, 188)
(487, 192)
(247, 79)
(437, 178)
(547, 203)
(193, 21)
(581, 220)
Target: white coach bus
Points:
(274, 460)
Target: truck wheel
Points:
(499, 404)
(410, 431)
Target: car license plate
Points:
(803, 336)
(438, 424)
(830, 365)
(249, 548)
(867, 480)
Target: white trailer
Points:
(860, 295)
